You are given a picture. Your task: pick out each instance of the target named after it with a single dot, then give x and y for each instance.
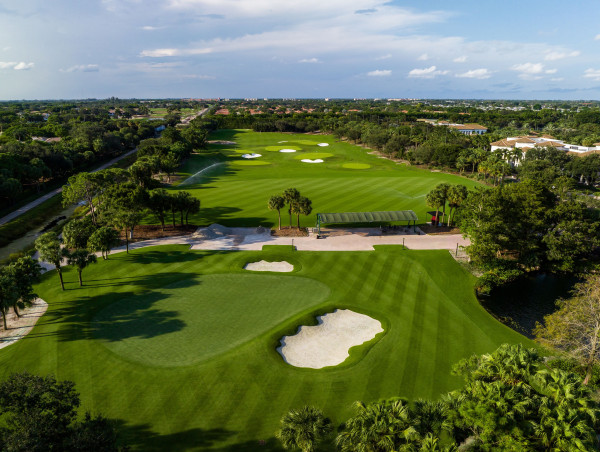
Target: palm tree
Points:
(303, 206)
(378, 427)
(290, 196)
(437, 197)
(456, 195)
(48, 247)
(303, 429)
(81, 259)
(277, 203)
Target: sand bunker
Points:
(323, 144)
(264, 266)
(251, 156)
(312, 161)
(327, 343)
(282, 141)
(287, 150)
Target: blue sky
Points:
(299, 48)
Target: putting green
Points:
(283, 146)
(306, 142)
(314, 155)
(356, 165)
(249, 162)
(199, 318)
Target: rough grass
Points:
(231, 400)
(236, 194)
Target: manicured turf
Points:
(199, 318)
(236, 193)
(232, 400)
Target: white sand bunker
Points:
(264, 266)
(312, 161)
(288, 150)
(327, 343)
(251, 156)
(323, 144)
(284, 141)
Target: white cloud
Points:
(160, 53)
(592, 73)
(199, 77)
(597, 37)
(460, 59)
(309, 60)
(82, 68)
(529, 68)
(22, 66)
(151, 28)
(553, 56)
(557, 79)
(430, 72)
(384, 57)
(423, 57)
(480, 74)
(550, 71)
(380, 73)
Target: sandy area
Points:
(287, 150)
(312, 161)
(19, 327)
(328, 343)
(264, 266)
(251, 156)
(323, 144)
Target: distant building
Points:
(525, 143)
(465, 129)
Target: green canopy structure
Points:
(367, 217)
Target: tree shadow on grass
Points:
(122, 315)
(142, 437)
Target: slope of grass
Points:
(236, 193)
(232, 399)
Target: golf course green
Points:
(178, 347)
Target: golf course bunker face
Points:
(312, 161)
(264, 266)
(323, 144)
(287, 150)
(251, 156)
(328, 343)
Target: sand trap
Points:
(264, 266)
(323, 144)
(19, 327)
(282, 141)
(287, 150)
(312, 161)
(251, 156)
(327, 343)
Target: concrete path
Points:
(41, 199)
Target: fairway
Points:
(152, 343)
(350, 179)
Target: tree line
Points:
(511, 400)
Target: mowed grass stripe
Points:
(233, 400)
